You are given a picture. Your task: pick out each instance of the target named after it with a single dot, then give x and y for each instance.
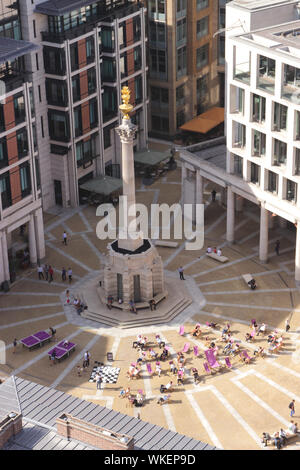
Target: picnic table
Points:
(37, 339)
(62, 350)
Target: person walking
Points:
(287, 325)
(180, 270)
(277, 247)
(51, 274)
(15, 342)
(65, 238)
(70, 274)
(292, 408)
(213, 195)
(98, 381)
(46, 269)
(40, 272)
(63, 274)
(87, 357)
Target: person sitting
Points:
(122, 393)
(110, 300)
(158, 368)
(132, 306)
(165, 388)
(259, 352)
(226, 329)
(265, 438)
(196, 375)
(277, 440)
(180, 377)
(164, 354)
(152, 354)
(252, 284)
(282, 436)
(152, 305)
(120, 301)
(262, 329)
(219, 252)
(173, 368)
(209, 249)
(212, 325)
(163, 399)
(235, 349)
(160, 342)
(196, 331)
(248, 337)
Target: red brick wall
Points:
(10, 429)
(85, 113)
(129, 32)
(131, 87)
(130, 62)
(83, 85)
(12, 148)
(81, 53)
(15, 185)
(89, 434)
(9, 113)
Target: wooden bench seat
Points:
(166, 243)
(221, 259)
(159, 297)
(289, 437)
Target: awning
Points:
(105, 185)
(205, 122)
(11, 49)
(150, 158)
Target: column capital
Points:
(126, 131)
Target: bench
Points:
(247, 278)
(166, 243)
(221, 259)
(159, 297)
(289, 437)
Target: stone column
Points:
(5, 257)
(39, 233)
(199, 188)
(230, 215)
(282, 222)
(271, 220)
(183, 180)
(223, 196)
(297, 257)
(32, 241)
(264, 235)
(127, 133)
(239, 202)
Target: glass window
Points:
(259, 108)
(280, 152)
(5, 190)
(280, 117)
(92, 82)
(201, 4)
(272, 182)
(25, 179)
(90, 50)
(202, 56)
(3, 153)
(19, 107)
(259, 144)
(93, 113)
(291, 191)
(22, 143)
(59, 128)
(202, 27)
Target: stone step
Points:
(138, 321)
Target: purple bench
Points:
(37, 339)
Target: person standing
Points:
(98, 381)
(70, 274)
(180, 270)
(287, 325)
(63, 274)
(51, 274)
(65, 238)
(87, 358)
(46, 269)
(277, 247)
(292, 408)
(213, 195)
(15, 342)
(40, 272)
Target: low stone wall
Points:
(10, 426)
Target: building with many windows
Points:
(20, 202)
(89, 51)
(260, 162)
(186, 61)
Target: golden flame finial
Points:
(126, 107)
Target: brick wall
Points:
(10, 427)
(81, 53)
(74, 428)
(15, 185)
(9, 113)
(83, 85)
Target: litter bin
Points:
(5, 286)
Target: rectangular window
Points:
(78, 121)
(202, 56)
(273, 182)
(297, 162)
(255, 173)
(242, 63)
(291, 84)
(259, 144)
(92, 82)
(181, 62)
(202, 27)
(76, 88)
(90, 50)
(280, 117)
(3, 153)
(201, 4)
(238, 165)
(280, 152)
(266, 74)
(22, 143)
(54, 60)
(5, 190)
(93, 113)
(56, 92)
(59, 127)
(25, 179)
(74, 56)
(259, 109)
(291, 191)
(19, 107)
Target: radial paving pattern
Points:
(229, 410)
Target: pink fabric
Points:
(181, 330)
(196, 351)
(205, 365)
(186, 347)
(167, 348)
(245, 354)
(149, 368)
(211, 358)
(228, 363)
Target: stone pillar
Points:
(230, 215)
(223, 197)
(199, 188)
(5, 257)
(264, 235)
(183, 180)
(39, 233)
(297, 257)
(239, 203)
(271, 220)
(32, 241)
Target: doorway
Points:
(120, 286)
(58, 193)
(137, 288)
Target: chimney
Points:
(70, 427)
(10, 426)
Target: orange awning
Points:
(205, 122)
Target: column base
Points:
(265, 261)
(33, 265)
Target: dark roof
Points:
(41, 406)
(59, 7)
(10, 49)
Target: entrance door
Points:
(120, 286)
(58, 192)
(137, 288)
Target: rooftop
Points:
(60, 7)
(260, 4)
(213, 152)
(41, 406)
(11, 49)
